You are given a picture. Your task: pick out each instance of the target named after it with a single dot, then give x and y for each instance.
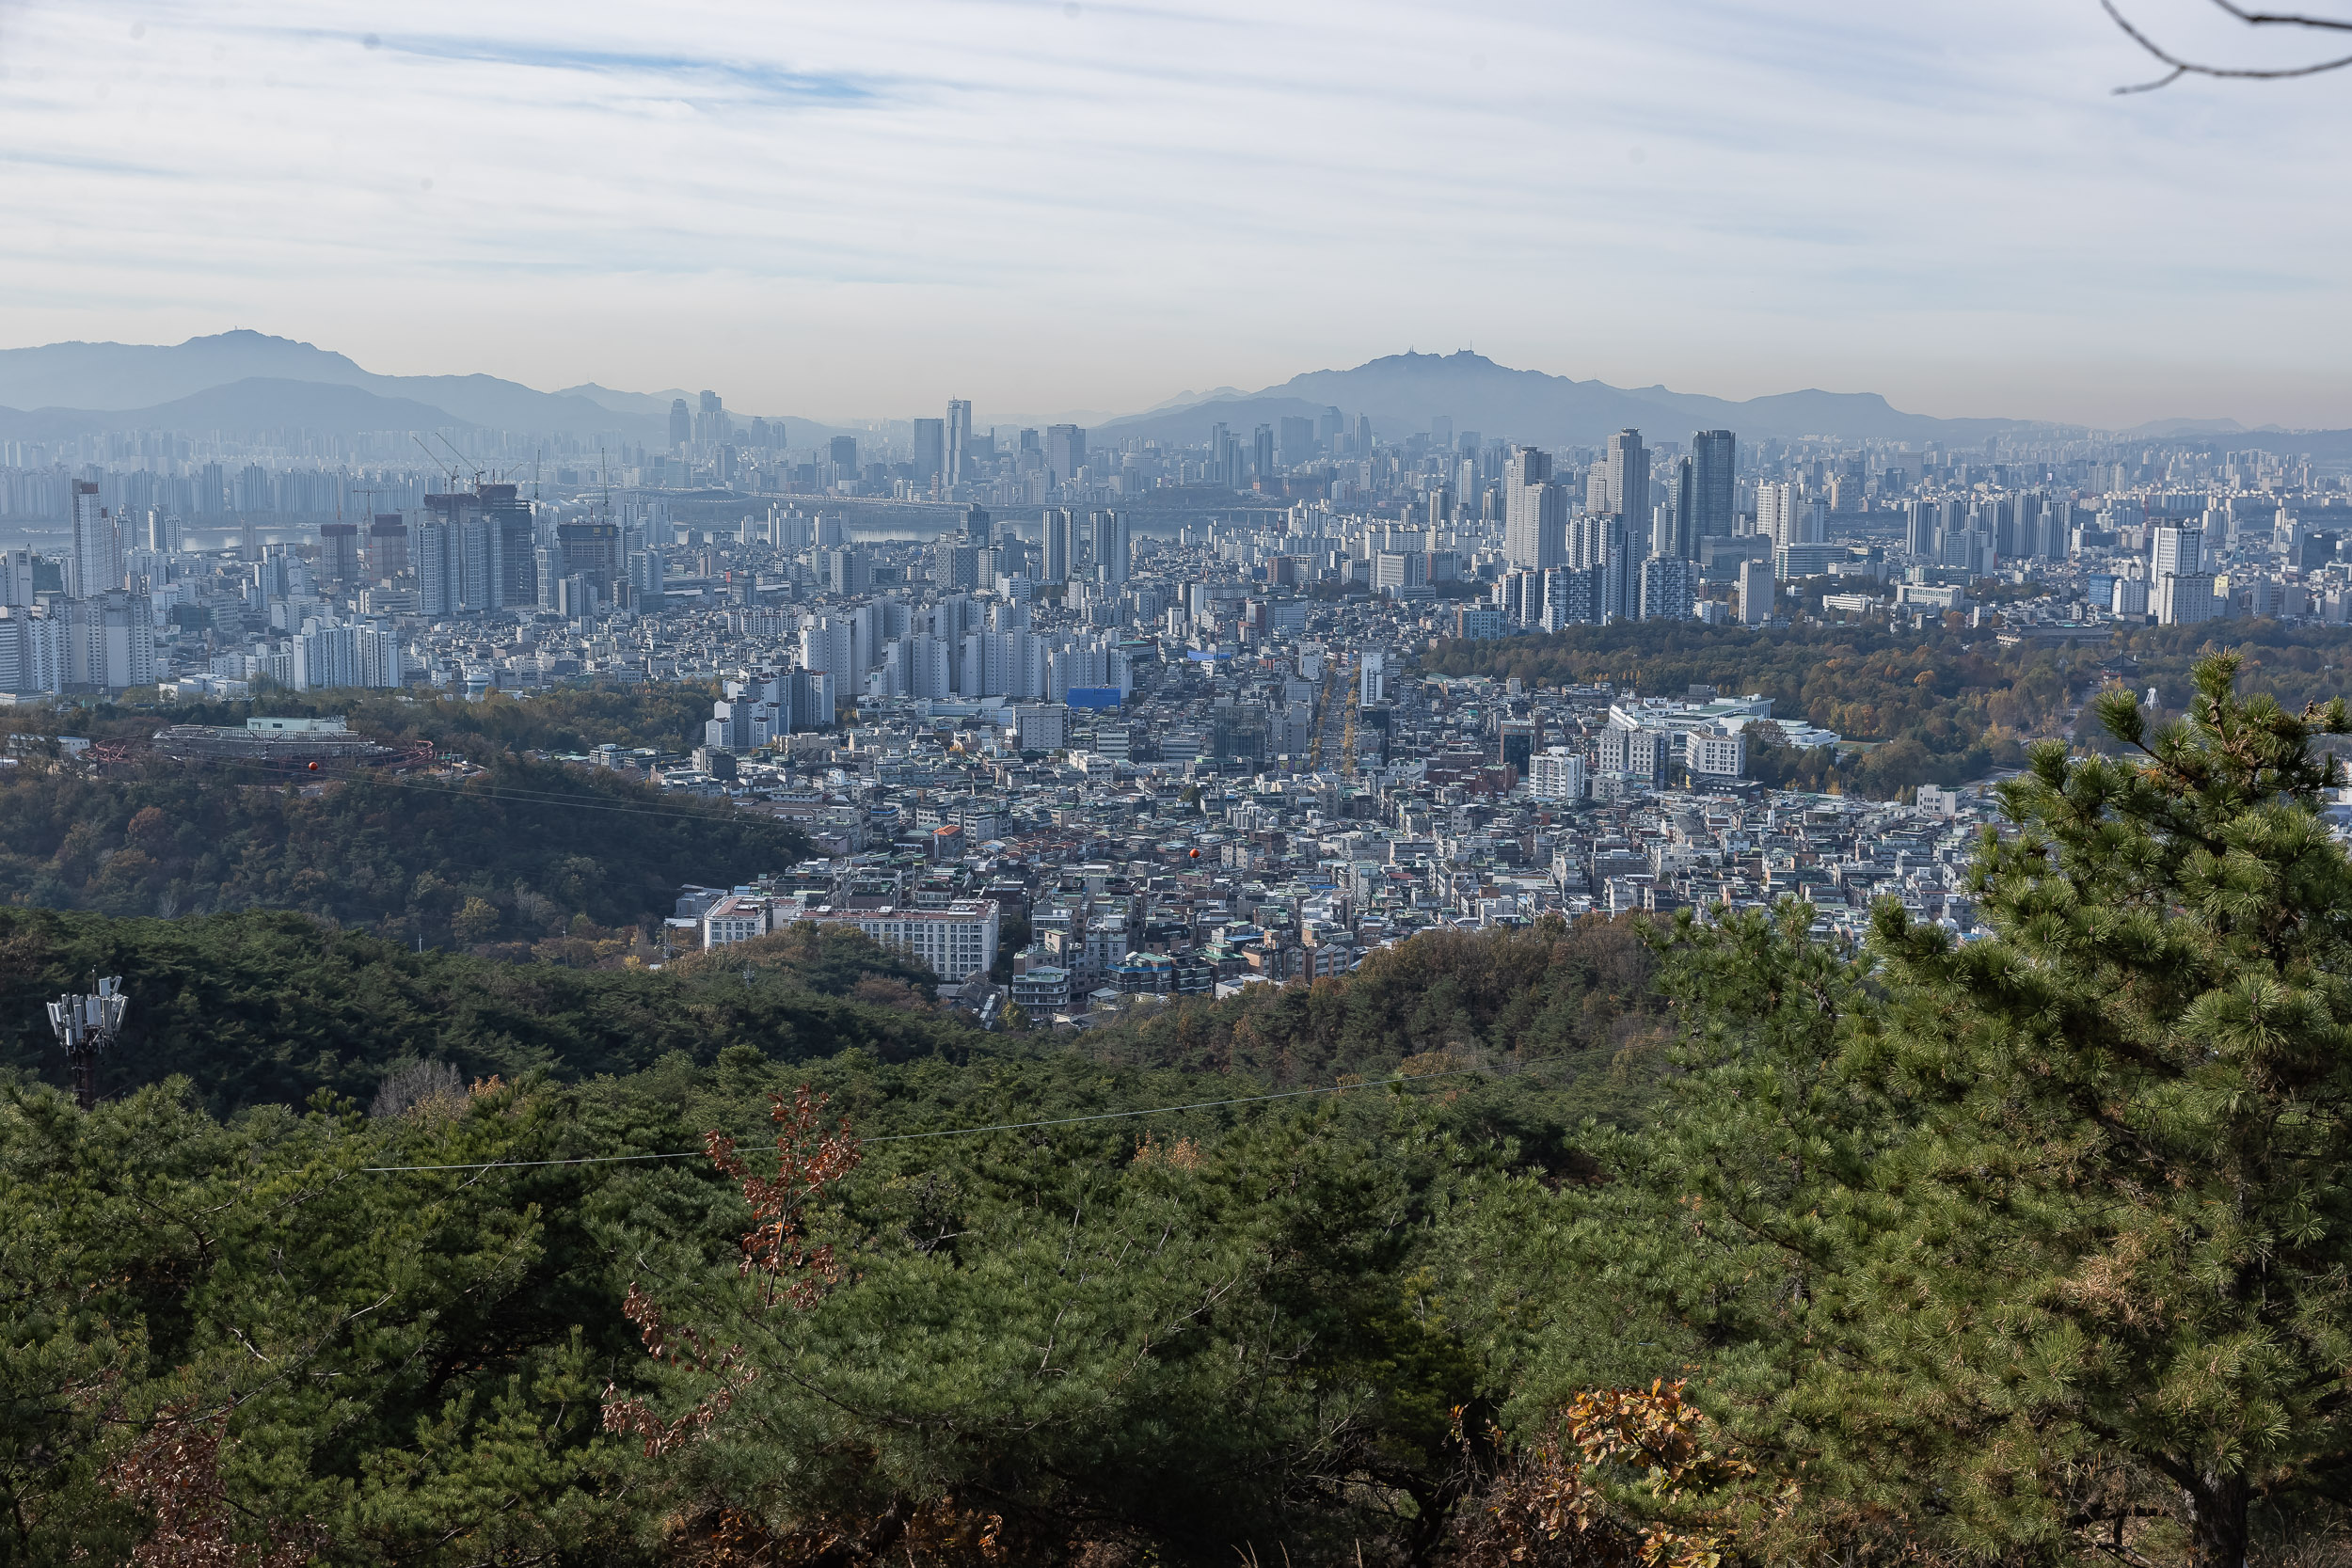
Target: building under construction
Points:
(288, 741)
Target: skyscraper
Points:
(930, 451)
(509, 515)
(388, 545)
(1110, 548)
(1714, 494)
(681, 423)
(1534, 512)
(339, 554)
(1058, 541)
(959, 441)
(1263, 448)
(1775, 513)
(1065, 452)
(95, 564)
(1628, 477)
(710, 420)
(1680, 537)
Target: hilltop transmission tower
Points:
(86, 1026)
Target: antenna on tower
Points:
(86, 1026)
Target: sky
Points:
(854, 211)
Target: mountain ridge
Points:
(1402, 392)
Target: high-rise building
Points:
(1262, 452)
(109, 640)
(1111, 546)
(1755, 593)
(1521, 738)
(1058, 524)
(1065, 452)
(842, 453)
(710, 420)
(1679, 536)
(975, 525)
(509, 515)
(94, 564)
(1714, 492)
(1775, 506)
(1666, 588)
(434, 549)
(930, 451)
(958, 441)
(1295, 441)
(32, 651)
(1628, 477)
(387, 546)
(591, 551)
(2177, 552)
(681, 423)
(1919, 530)
(1535, 512)
(338, 555)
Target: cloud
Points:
(863, 210)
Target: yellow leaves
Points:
(1184, 1154)
(1695, 1492)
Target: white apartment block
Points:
(954, 940)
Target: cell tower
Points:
(86, 1026)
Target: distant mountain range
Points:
(1403, 393)
(242, 382)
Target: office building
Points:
(1065, 452)
(94, 564)
(1714, 490)
(1521, 738)
(958, 438)
(930, 451)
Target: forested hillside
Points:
(668, 717)
(263, 1008)
(1603, 1244)
(515, 853)
(1948, 708)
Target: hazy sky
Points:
(860, 209)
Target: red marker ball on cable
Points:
(314, 767)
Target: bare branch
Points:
(2284, 19)
(2180, 68)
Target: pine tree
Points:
(2079, 1241)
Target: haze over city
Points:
(1079, 211)
(1545, 783)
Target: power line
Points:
(967, 1131)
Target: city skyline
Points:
(1080, 210)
